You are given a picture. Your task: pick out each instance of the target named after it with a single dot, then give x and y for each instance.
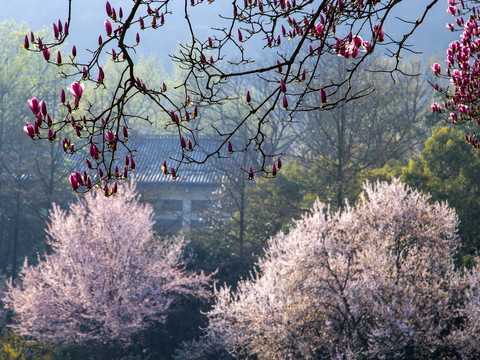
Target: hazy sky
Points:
(433, 37)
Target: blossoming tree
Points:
(373, 281)
(107, 279)
(316, 30)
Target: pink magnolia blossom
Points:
(76, 90)
(108, 27)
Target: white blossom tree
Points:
(374, 281)
(107, 279)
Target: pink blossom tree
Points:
(108, 277)
(374, 281)
(314, 31)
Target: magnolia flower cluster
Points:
(107, 280)
(462, 68)
(351, 29)
(374, 281)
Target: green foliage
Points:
(14, 347)
(448, 168)
(26, 188)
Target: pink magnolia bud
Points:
(49, 120)
(190, 145)
(436, 108)
(29, 130)
(304, 75)
(46, 53)
(89, 164)
(230, 147)
(76, 89)
(94, 153)
(279, 163)
(285, 101)
(107, 191)
(283, 87)
(101, 75)
(274, 170)
(59, 58)
(43, 108)
(74, 51)
(142, 24)
(84, 72)
(182, 142)
(110, 137)
(108, 27)
(154, 22)
(162, 19)
(36, 129)
(115, 188)
(26, 43)
(248, 98)
(108, 8)
(114, 55)
(62, 96)
(174, 117)
(137, 38)
(279, 66)
(173, 172)
(195, 112)
(74, 181)
(164, 167)
(133, 165)
(250, 173)
(323, 95)
(120, 13)
(210, 42)
(260, 6)
(56, 33)
(100, 173)
(117, 171)
(125, 133)
(341, 6)
(100, 40)
(51, 135)
(89, 182)
(240, 36)
(34, 106)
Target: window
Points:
(164, 207)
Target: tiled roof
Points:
(154, 149)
